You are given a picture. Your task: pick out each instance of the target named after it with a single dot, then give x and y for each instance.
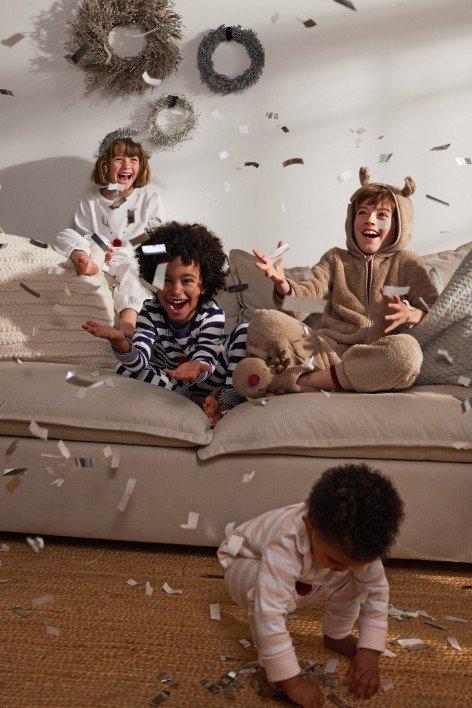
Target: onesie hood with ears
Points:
(404, 215)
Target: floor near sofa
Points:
(114, 638)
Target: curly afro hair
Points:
(356, 509)
(193, 243)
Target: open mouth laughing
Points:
(370, 233)
(176, 305)
(124, 176)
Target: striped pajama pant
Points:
(234, 349)
(343, 601)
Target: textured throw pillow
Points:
(43, 306)
(443, 264)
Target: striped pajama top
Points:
(200, 340)
(280, 541)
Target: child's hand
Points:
(108, 256)
(83, 264)
(363, 675)
(303, 692)
(116, 338)
(273, 270)
(401, 315)
(189, 371)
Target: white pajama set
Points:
(142, 209)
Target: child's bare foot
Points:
(83, 264)
(346, 646)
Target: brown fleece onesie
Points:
(351, 340)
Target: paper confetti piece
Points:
(234, 544)
(132, 583)
(436, 199)
(331, 666)
(107, 451)
(295, 304)
(52, 631)
(81, 393)
(271, 116)
(115, 461)
(215, 611)
(4, 548)
(192, 521)
(160, 276)
(453, 618)
(149, 589)
(385, 157)
(14, 39)
(20, 611)
(36, 543)
(391, 290)
(58, 482)
(275, 17)
(112, 187)
(171, 591)
(42, 600)
(293, 161)
(6, 92)
(80, 380)
(84, 462)
(408, 641)
(454, 643)
(13, 484)
(389, 654)
(150, 80)
(101, 241)
(63, 449)
(153, 248)
(386, 684)
(12, 471)
(463, 381)
(441, 147)
(277, 252)
(129, 489)
(244, 643)
(347, 174)
(160, 697)
(433, 623)
(54, 457)
(110, 382)
(461, 161)
(138, 240)
(37, 431)
(444, 353)
(359, 131)
(217, 115)
(30, 290)
(227, 186)
(346, 3)
(223, 154)
(243, 129)
(248, 476)
(466, 405)
(252, 164)
(309, 23)
(11, 448)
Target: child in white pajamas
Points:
(326, 549)
(117, 216)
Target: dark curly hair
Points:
(193, 243)
(356, 509)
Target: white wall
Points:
(400, 68)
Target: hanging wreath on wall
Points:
(89, 45)
(168, 138)
(220, 82)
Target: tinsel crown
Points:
(125, 133)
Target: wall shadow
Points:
(38, 199)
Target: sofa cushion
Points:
(132, 412)
(422, 423)
(229, 303)
(445, 263)
(259, 294)
(57, 335)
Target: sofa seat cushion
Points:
(132, 412)
(421, 423)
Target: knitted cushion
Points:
(448, 326)
(443, 264)
(30, 327)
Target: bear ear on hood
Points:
(364, 176)
(409, 188)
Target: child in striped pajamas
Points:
(179, 342)
(325, 549)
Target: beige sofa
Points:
(419, 437)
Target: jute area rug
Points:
(102, 641)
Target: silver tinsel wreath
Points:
(115, 75)
(220, 82)
(168, 139)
